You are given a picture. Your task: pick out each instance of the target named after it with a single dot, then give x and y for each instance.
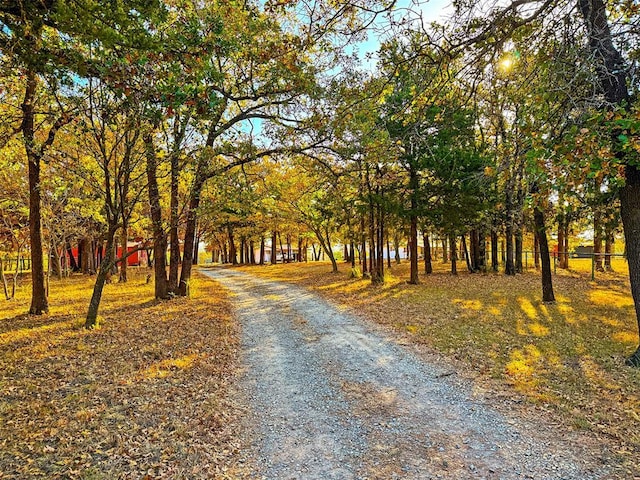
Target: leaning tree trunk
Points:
(105, 270)
(465, 252)
(190, 235)
(5, 286)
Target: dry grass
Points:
(566, 357)
(144, 396)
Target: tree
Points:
(606, 62)
(46, 41)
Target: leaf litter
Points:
(143, 396)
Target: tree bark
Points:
(454, 254)
(105, 270)
(545, 258)
(608, 250)
(494, 251)
(161, 284)
(612, 74)
(428, 267)
(597, 242)
(518, 251)
(465, 252)
(261, 250)
(124, 238)
(413, 228)
(233, 254)
(174, 241)
(274, 239)
(39, 301)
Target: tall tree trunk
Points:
(274, 239)
(396, 245)
(428, 268)
(124, 238)
(536, 251)
(196, 247)
(261, 250)
(541, 234)
(474, 250)
(445, 253)
(494, 250)
(174, 242)
(518, 250)
(612, 74)
(363, 250)
(413, 226)
(353, 254)
(509, 266)
(243, 249)
(190, 231)
(608, 250)
(39, 301)
(452, 249)
(566, 241)
(252, 252)
(597, 242)
(233, 254)
(482, 249)
(56, 262)
(161, 284)
(561, 231)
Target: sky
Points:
(432, 11)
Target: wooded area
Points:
(249, 126)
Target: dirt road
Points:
(331, 397)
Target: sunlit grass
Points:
(568, 354)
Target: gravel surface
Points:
(331, 397)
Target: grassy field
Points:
(144, 396)
(566, 357)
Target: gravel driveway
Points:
(331, 397)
